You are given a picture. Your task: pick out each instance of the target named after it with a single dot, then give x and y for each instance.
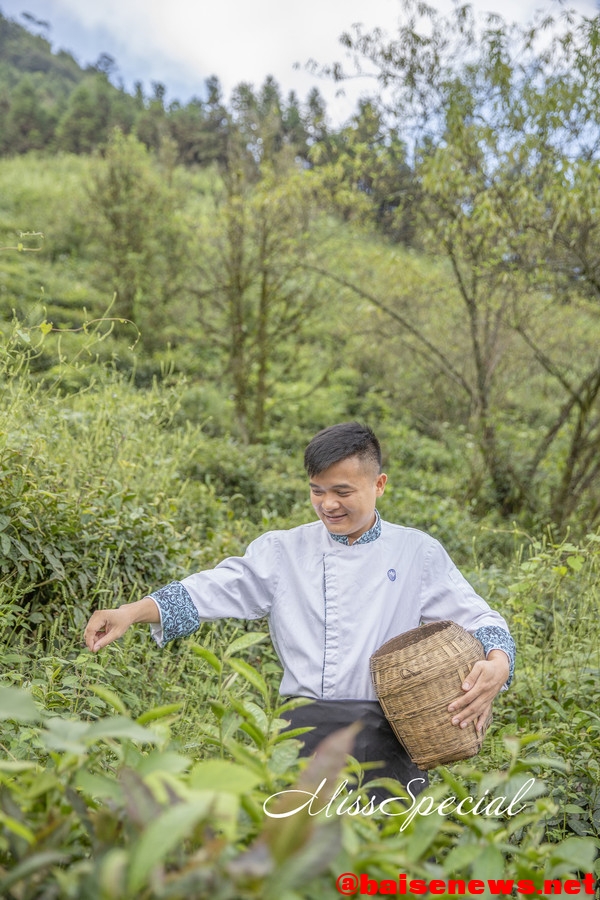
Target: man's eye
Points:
(343, 493)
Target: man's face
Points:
(344, 495)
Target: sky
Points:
(180, 43)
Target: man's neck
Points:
(371, 534)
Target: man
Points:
(333, 595)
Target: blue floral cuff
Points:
(178, 615)
(495, 638)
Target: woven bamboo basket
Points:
(416, 676)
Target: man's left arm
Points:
(448, 595)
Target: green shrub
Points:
(106, 491)
(111, 807)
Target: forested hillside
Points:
(50, 103)
(189, 292)
(455, 234)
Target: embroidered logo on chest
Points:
(391, 574)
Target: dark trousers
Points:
(374, 743)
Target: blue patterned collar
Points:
(371, 535)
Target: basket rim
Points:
(413, 635)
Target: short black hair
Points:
(338, 442)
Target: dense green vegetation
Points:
(97, 751)
(184, 299)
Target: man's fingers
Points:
(480, 687)
(96, 627)
(475, 712)
(473, 676)
(101, 640)
(482, 720)
(103, 627)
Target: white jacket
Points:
(329, 605)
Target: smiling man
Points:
(334, 591)
(344, 495)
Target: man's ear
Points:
(380, 484)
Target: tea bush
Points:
(111, 807)
(100, 493)
(141, 773)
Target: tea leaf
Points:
(109, 697)
(18, 705)
(160, 837)
(208, 656)
(159, 712)
(243, 642)
(251, 675)
(220, 775)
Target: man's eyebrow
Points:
(334, 487)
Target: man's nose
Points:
(330, 502)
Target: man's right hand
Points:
(107, 625)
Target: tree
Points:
(259, 119)
(271, 129)
(316, 117)
(141, 240)
(151, 125)
(364, 172)
(83, 122)
(94, 108)
(187, 126)
(507, 150)
(256, 302)
(27, 124)
(294, 130)
(201, 128)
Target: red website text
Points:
(350, 884)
